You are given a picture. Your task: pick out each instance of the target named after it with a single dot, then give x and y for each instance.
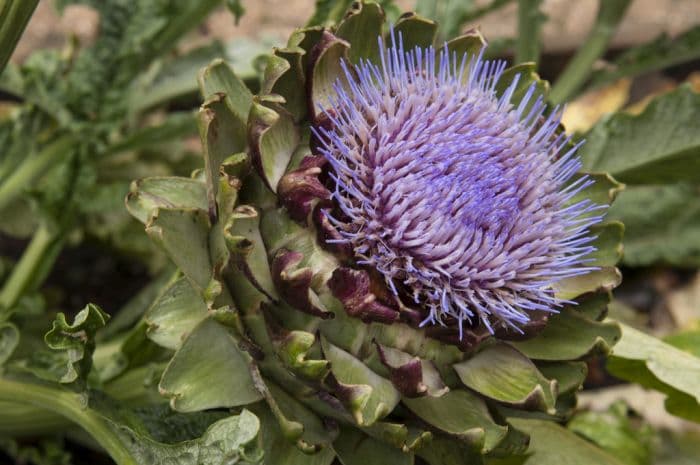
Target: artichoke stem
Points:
(610, 13)
(71, 406)
(530, 21)
(33, 168)
(32, 267)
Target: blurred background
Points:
(104, 257)
(273, 20)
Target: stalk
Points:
(529, 24)
(71, 406)
(32, 268)
(610, 13)
(20, 419)
(14, 16)
(33, 168)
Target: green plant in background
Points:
(89, 120)
(286, 335)
(77, 124)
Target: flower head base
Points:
(462, 200)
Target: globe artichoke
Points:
(389, 253)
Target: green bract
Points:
(255, 319)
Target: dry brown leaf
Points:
(581, 114)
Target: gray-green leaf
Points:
(661, 145)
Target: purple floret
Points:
(458, 197)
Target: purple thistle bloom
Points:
(459, 198)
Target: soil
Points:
(86, 273)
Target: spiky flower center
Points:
(454, 194)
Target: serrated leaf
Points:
(176, 312)
(660, 145)
(76, 341)
(502, 373)
(209, 370)
(462, 414)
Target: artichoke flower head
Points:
(452, 192)
(390, 250)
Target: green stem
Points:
(21, 420)
(28, 419)
(14, 16)
(529, 24)
(478, 12)
(32, 268)
(33, 168)
(610, 13)
(72, 406)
